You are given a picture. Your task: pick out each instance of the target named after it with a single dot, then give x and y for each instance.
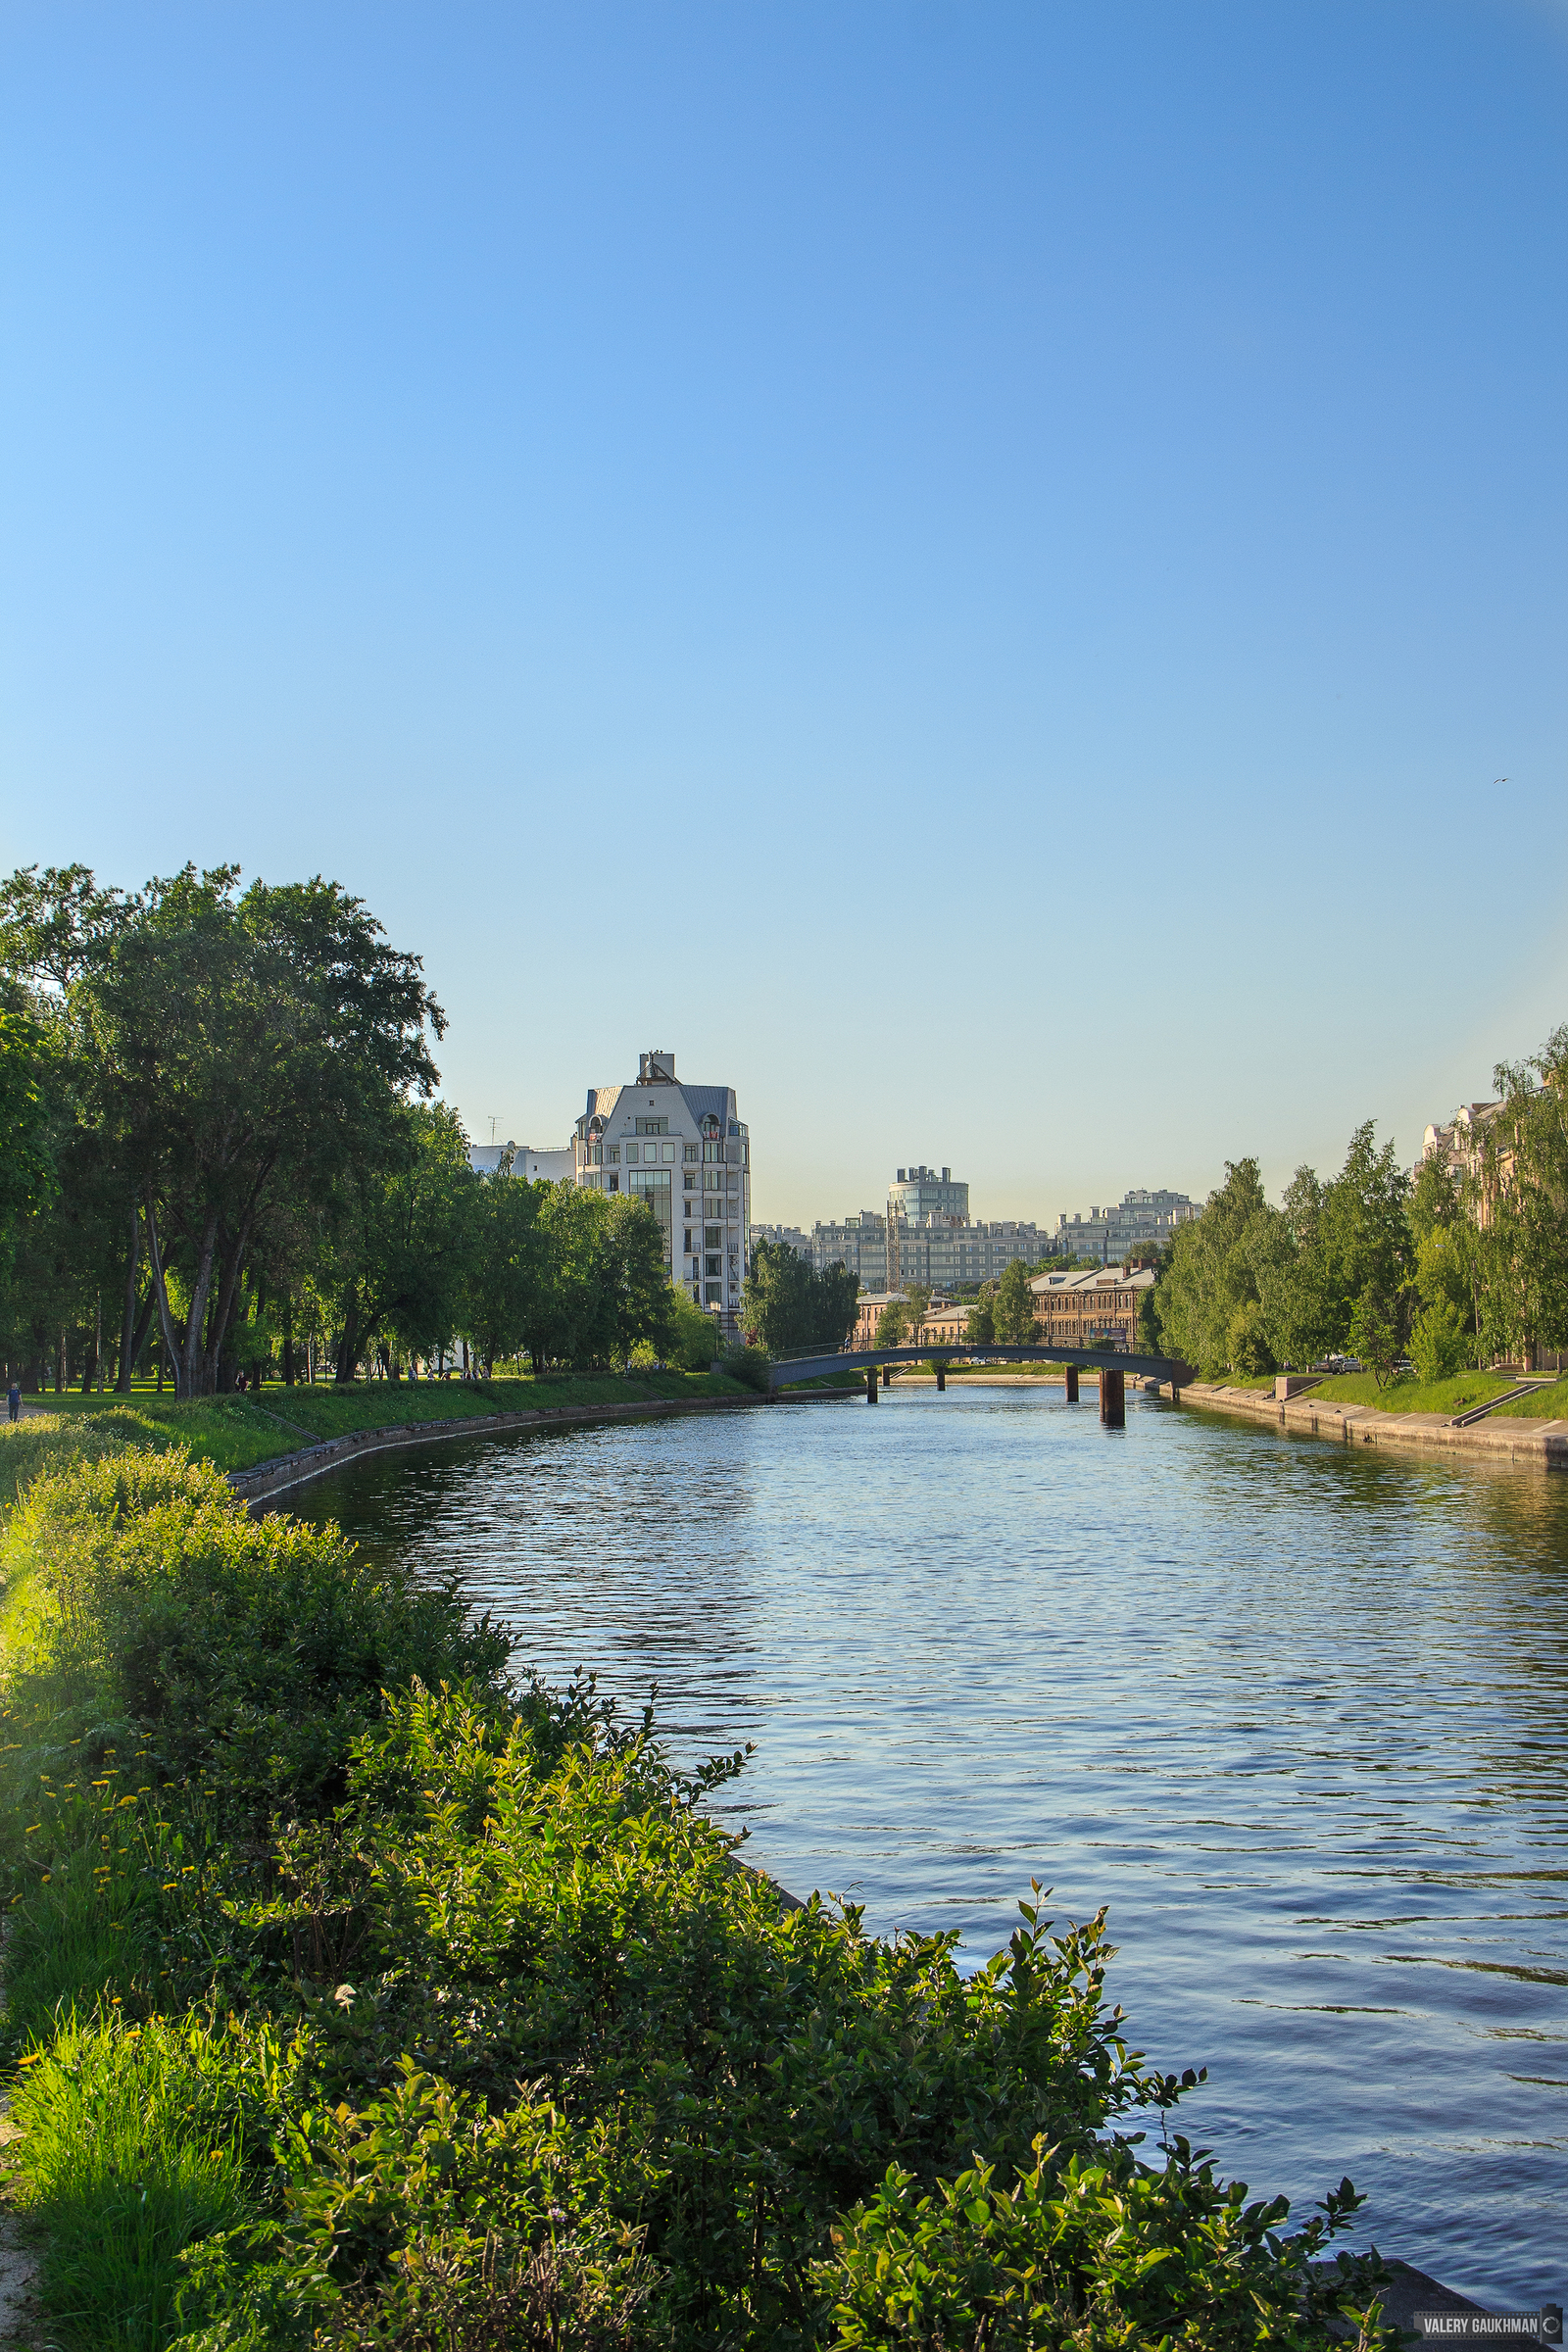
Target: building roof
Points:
(1096, 1278)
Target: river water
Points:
(1294, 1712)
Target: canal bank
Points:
(1540, 1444)
(292, 1470)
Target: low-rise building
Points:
(1092, 1307)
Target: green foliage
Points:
(504, 1268)
(790, 1309)
(1246, 1286)
(892, 1325)
(27, 1165)
(145, 1607)
(751, 1366)
(1015, 1309)
(1376, 1333)
(1246, 1340)
(1098, 2250)
(1439, 1345)
(696, 1339)
(981, 1328)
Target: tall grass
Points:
(134, 2149)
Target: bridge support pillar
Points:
(870, 1384)
(1072, 1384)
(1112, 1399)
(942, 1378)
(887, 1374)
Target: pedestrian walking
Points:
(14, 1401)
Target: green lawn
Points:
(239, 1432)
(1547, 1404)
(1411, 1395)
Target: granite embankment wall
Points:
(291, 1470)
(1545, 1444)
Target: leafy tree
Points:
(981, 1328)
(28, 1173)
(633, 1279)
(892, 1325)
(568, 1325)
(1212, 1270)
(503, 1267)
(1376, 1333)
(231, 1046)
(791, 1308)
(1014, 1310)
(694, 1341)
(401, 1256)
(917, 1303)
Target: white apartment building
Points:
(687, 1153)
(1109, 1233)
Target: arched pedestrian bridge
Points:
(1112, 1365)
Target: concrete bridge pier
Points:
(870, 1384)
(1112, 1399)
(1072, 1384)
(887, 1374)
(942, 1378)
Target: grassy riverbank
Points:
(358, 2000)
(1456, 1394)
(1550, 1403)
(238, 1433)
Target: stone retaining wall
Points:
(312, 1461)
(1541, 1443)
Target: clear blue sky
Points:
(969, 569)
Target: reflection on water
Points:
(1294, 1712)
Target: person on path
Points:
(14, 1400)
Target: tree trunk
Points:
(165, 1321)
(127, 1327)
(288, 1340)
(193, 1372)
(348, 1350)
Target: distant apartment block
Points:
(1110, 1235)
(789, 1236)
(925, 1236)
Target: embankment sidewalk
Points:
(1542, 1443)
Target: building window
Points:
(614, 1155)
(715, 1294)
(713, 1264)
(653, 1126)
(689, 1180)
(668, 1150)
(692, 1151)
(631, 1155)
(614, 1184)
(712, 1236)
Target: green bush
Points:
(1439, 1345)
(751, 1366)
